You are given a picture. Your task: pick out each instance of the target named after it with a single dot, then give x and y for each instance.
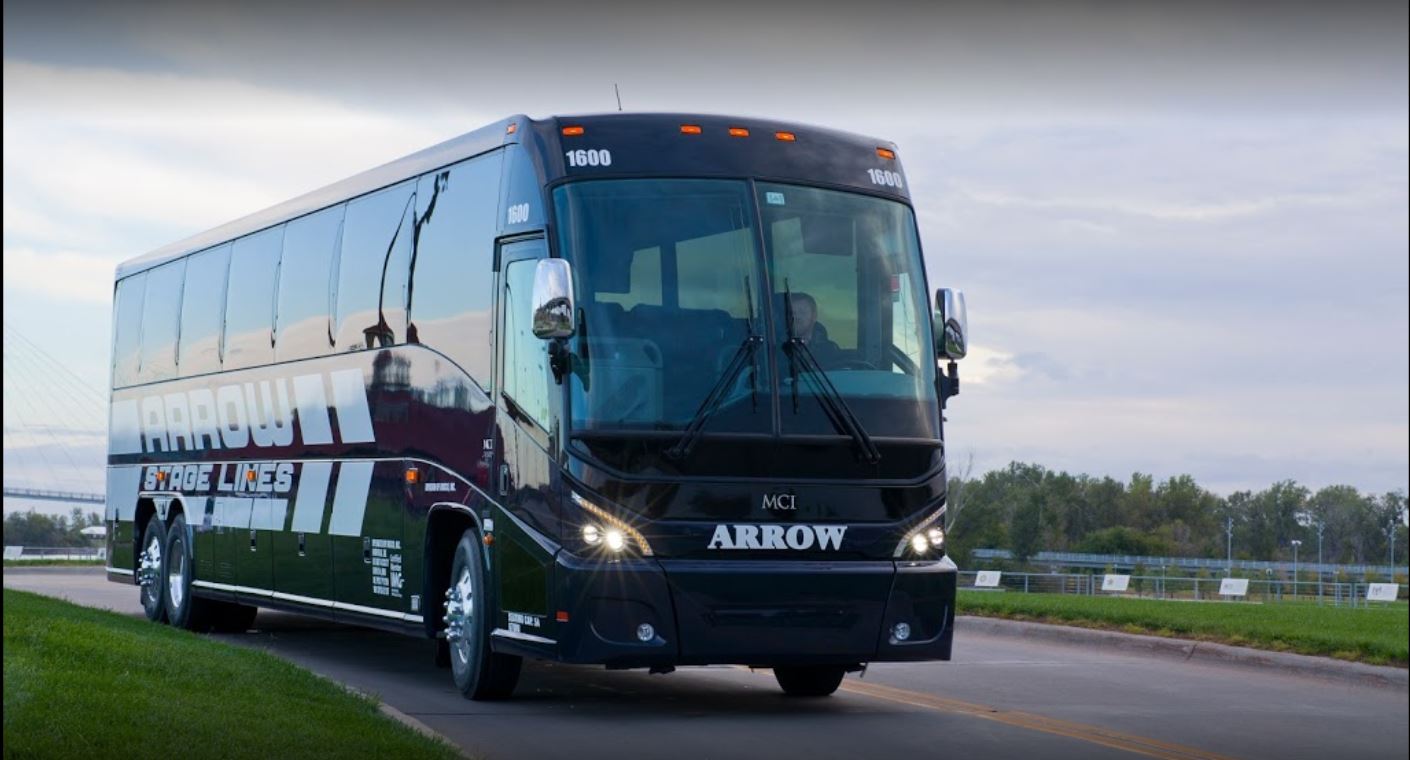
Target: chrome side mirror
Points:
(951, 324)
(553, 299)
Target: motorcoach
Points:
(639, 390)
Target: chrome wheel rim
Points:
(176, 577)
(150, 570)
(460, 615)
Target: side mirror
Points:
(951, 324)
(553, 299)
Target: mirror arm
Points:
(948, 383)
(559, 357)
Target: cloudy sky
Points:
(1182, 227)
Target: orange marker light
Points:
(489, 539)
(738, 132)
(786, 136)
(562, 616)
(690, 129)
(250, 475)
(886, 153)
(412, 475)
(161, 475)
(511, 129)
(572, 131)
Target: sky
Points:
(1181, 227)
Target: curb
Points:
(1189, 650)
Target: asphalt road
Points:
(1001, 697)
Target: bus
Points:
(633, 390)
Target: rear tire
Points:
(151, 570)
(811, 680)
(183, 609)
(479, 673)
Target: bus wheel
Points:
(478, 672)
(151, 570)
(810, 681)
(183, 609)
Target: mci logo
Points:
(780, 502)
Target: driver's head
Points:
(805, 315)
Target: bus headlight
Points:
(926, 538)
(610, 530)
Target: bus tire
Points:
(810, 680)
(479, 673)
(151, 570)
(182, 609)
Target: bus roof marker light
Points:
(511, 129)
(690, 129)
(573, 131)
(786, 136)
(886, 153)
(738, 132)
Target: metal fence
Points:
(33, 553)
(1340, 594)
(1153, 563)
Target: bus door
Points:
(520, 556)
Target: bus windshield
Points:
(685, 321)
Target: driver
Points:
(807, 329)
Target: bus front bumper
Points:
(646, 612)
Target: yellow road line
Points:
(1081, 731)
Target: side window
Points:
(249, 300)
(203, 310)
(127, 328)
(305, 285)
(161, 322)
(369, 238)
(453, 281)
(525, 356)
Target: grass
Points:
(54, 563)
(81, 682)
(1377, 635)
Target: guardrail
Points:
(1132, 561)
(1343, 594)
(35, 553)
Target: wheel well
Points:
(146, 508)
(444, 528)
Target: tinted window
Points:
(306, 284)
(127, 329)
(525, 356)
(249, 301)
(453, 277)
(369, 236)
(203, 310)
(161, 322)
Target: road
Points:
(1000, 697)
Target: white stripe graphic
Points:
(312, 405)
(268, 514)
(233, 511)
(312, 497)
(350, 498)
(350, 399)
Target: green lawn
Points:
(81, 682)
(1378, 635)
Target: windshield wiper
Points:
(833, 403)
(742, 355)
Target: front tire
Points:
(810, 681)
(478, 672)
(151, 570)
